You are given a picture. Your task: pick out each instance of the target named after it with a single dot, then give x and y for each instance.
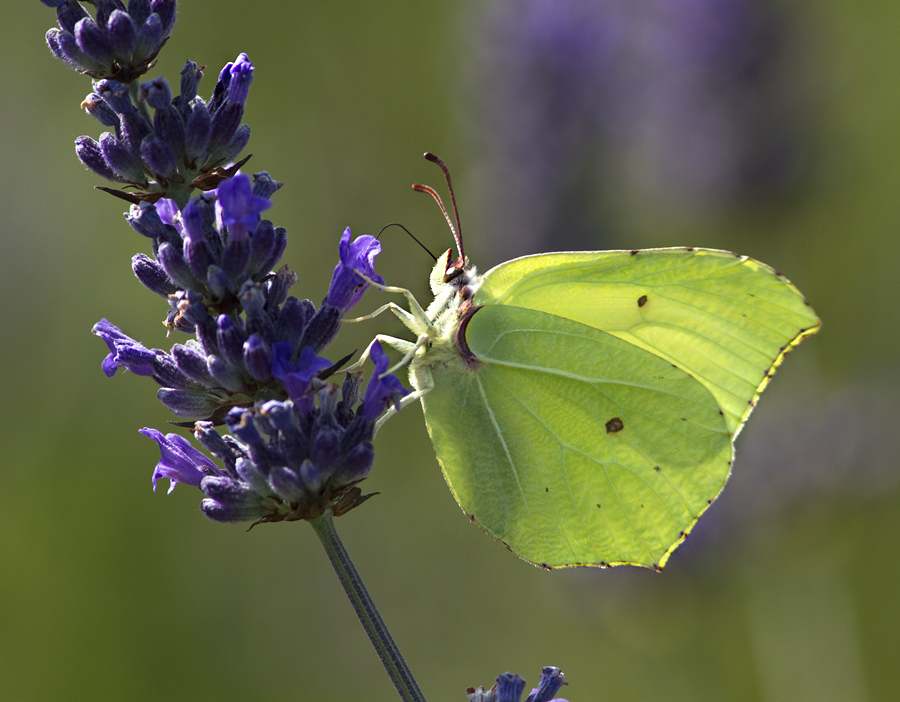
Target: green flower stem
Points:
(381, 639)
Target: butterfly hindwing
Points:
(573, 446)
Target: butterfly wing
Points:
(725, 319)
(572, 446)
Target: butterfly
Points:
(583, 406)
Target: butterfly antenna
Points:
(411, 236)
(457, 231)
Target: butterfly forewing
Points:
(726, 320)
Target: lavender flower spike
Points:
(347, 287)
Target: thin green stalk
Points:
(381, 639)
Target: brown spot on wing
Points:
(614, 425)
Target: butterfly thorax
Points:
(446, 315)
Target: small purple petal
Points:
(347, 287)
(239, 204)
(179, 462)
(124, 352)
(382, 390)
(296, 376)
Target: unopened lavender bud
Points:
(552, 680)
(145, 220)
(225, 123)
(121, 159)
(165, 10)
(311, 476)
(196, 134)
(73, 55)
(93, 42)
(356, 464)
(169, 375)
(149, 39)
(220, 283)
(192, 363)
(235, 258)
(96, 106)
(230, 151)
(207, 336)
(176, 267)
(278, 287)
(206, 207)
(169, 127)
(231, 338)
(190, 79)
(214, 443)
(226, 374)
(292, 321)
(276, 251)
(152, 275)
(190, 404)
(196, 249)
(286, 484)
(91, 155)
(122, 35)
(158, 156)
(52, 38)
(258, 358)
(264, 185)
(325, 450)
(258, 320)
(68, 14)
(323, 327)
(510, 687)
(157, 93)
(249, 472)
(230, 501)
(139, 10)
(262, 244)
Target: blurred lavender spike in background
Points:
(583, 104)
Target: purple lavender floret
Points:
(180, 462)
(347, 287)
(383, 390)
(124, 352)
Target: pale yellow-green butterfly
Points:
(583, 406)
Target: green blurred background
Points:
(788, 588)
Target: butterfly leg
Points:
(416, 320)
(402, 345)
(408, 320)
(424, 384)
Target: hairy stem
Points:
(380, 637)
